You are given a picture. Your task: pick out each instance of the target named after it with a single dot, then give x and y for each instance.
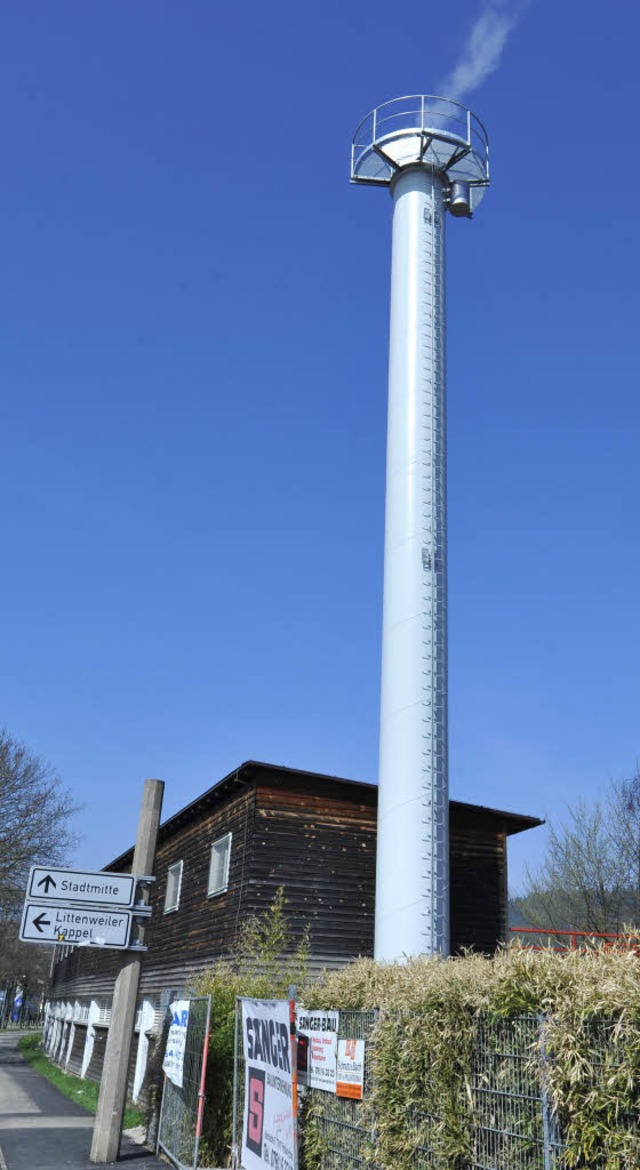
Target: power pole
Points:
(107, 1130)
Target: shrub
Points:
(430, 1012)
(430, 1015)
(263, 966)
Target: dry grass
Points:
(429, 1011)
(514, 980)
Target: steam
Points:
(484, 46)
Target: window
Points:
(174, 881)
(219, 866)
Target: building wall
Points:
(203, 928)
(478, 886)
(75, 1036)
(317, 839)
(311, 835)
(321, 847)
(181, 942)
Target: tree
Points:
(35, 820)
(627, 816)
(23, 967)
(590, 878)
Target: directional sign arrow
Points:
(87, 887)
(87, 926)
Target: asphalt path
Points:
(40, 1129)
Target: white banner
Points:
(268, 1131)
(317, 1033)
(173, 1062)
(350, 1071)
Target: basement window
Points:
(219, 865)
(174, 882)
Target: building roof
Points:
(243, 776)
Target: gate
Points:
(181, 1111)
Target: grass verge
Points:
(84, 1092)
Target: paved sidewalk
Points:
(40, 1129)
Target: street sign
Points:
(73, 885)
(101, 927)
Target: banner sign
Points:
(173, 1062)
(317, 1033)
(350, 1070)
(268, 1131)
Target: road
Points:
(40, 1129)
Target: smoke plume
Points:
(484, 46)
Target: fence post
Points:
(294, 1071)
(202, 1086)
(546, 1109)
(235, 1159)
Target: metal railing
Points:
(575, 939)
(433, 120)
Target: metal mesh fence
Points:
(512, 1123)
(503, 1105)
(338, 1125)
(180, 1112)
(603, 1042)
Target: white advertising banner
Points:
(268, 1130)
(317, 1048)
(173, 1062)
(350, 1070)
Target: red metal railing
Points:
(629, 942)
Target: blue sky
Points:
(193, 339)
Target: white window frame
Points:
(219, 848)
(174, 869)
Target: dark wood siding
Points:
(94, 1070)
(319, 844)
(133, 1056)
(87, 973)
(478, 885)
(74, 1064)
(316, 837)
(184, 941)
(202, 928)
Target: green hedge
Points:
(430, 1011)
(431, 1016)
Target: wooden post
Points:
(107, 1130)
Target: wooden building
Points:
(224, 856)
